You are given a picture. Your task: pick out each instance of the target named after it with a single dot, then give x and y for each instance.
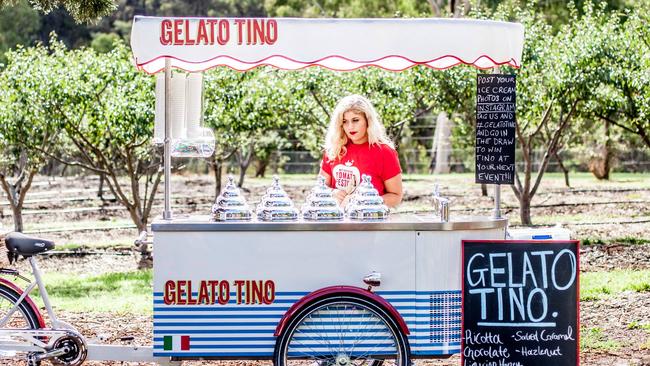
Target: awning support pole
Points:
(497, 201)
(167, 159)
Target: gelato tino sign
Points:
(217, 32)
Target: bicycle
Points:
(22, 327)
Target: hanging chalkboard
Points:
(520, 303)
(495, 129)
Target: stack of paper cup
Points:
(159, 121)
(186, 102)
(194, 109)
(178, 105)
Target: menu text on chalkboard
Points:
(520, 303)
(495, 129)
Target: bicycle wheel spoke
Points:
(343, 333)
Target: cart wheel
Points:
(342, 331)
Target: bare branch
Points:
(615, 123)
(545, 118)
(23, 190)
(552, 145)
(71, 163)
(516, 188)
(152, 194)
(6, 187)
(320, 104)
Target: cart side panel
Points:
(292, 263)
(438, 285)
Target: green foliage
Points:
(82, 11)
(595, 285)
(117, 292)
(26, 128)
(595, 339)
(347, 9)
(18, 26)
(639, 325)
(104, 42)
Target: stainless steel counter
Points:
(396, 222)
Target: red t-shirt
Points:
(379, 161)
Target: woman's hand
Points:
(339, 195)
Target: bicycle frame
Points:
(31, 340)
(38, 281)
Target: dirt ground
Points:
(609, 215)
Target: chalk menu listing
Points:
(495, 129)
(520, 303)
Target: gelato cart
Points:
(314, 284)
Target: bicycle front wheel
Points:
(25, 317)
(342, 331)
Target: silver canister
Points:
(231, 205)
(320, 204)
(366, 204)
(276, 205)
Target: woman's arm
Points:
(328, 178)
(393, 191)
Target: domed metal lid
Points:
(366, 204)
(320, 204)
(276, 205)
(231, 205)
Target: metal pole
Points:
(497, 201)
(167, 159)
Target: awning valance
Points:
(196, 44)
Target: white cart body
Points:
(419, 260)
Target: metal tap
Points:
(440, 205)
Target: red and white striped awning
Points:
(197, 44)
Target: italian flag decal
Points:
(176, 343)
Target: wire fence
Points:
(462, 161)
(420, 160)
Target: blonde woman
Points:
(356, 144)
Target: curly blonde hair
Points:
(335, 140)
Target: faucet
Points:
(440, 205)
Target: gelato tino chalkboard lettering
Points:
(520, 303)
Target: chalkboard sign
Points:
(520, 303)
(495, 129)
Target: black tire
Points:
(24, 318)
(361, 333)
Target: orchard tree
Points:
(560, 74)
(350, 9)
(27, 133)
(245, 110)
(624, 99)
(81, 11)
(106, 110)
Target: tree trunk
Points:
(261, 167)
(524, 209)
(607, 164)
(242, 175)
(601, 165)
(17, 212)
(244, 161)
(16, 193)
(484, 191)
(217, 169)
(137, 218)
(100, 190)
(564, 169)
